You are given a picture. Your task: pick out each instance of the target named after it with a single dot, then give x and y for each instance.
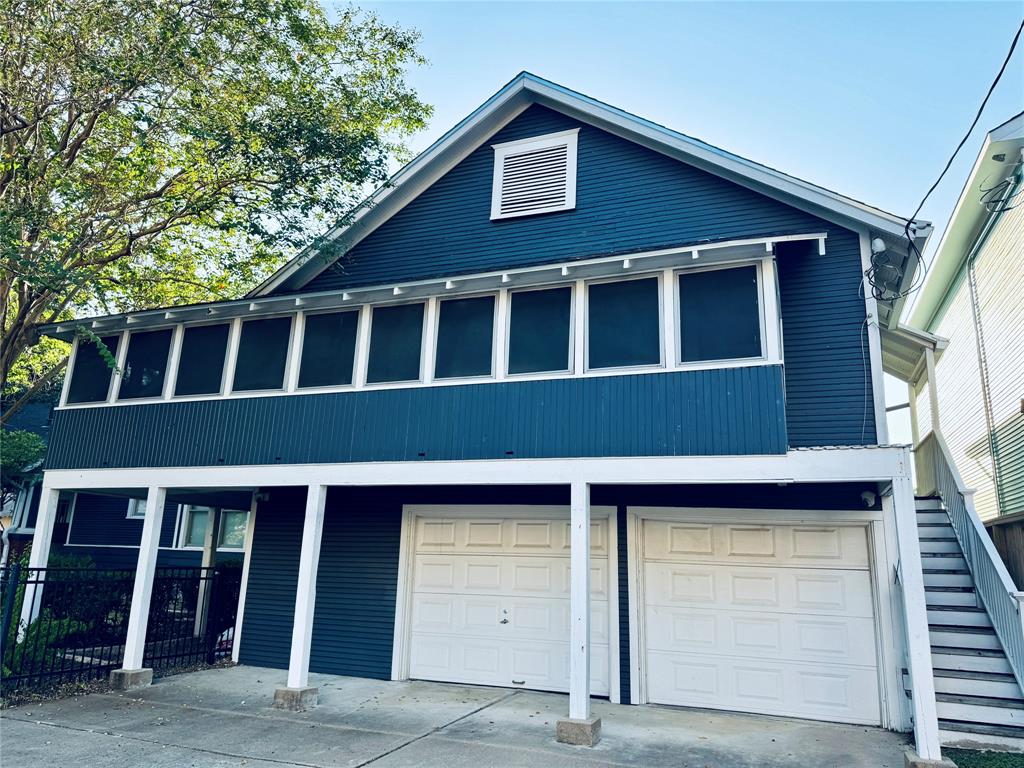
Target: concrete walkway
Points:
(223, 717)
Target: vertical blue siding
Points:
(623, 569)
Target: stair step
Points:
(935, 531)
(958, 615)
(957, 731)
(984, 684)
(932, 516)
(943, 560)
(963, 637)
(980, 709)
(956, 596)
(970, 660)
(924, 505)
(940, 578)
(936, 545)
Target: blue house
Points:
(575, 403)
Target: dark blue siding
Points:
(100, 519)
(273, 576)
(623, 568)
(354, 621)
(128, 557)
(718, 412)
(633, 199)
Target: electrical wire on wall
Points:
(1002, 197)
(883, 274)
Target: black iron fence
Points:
(81, 622)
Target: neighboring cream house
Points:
(972, 298)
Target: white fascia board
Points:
(526, 89)
(855, 464)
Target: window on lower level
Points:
(136, 509)
(145, 364)
(465, 331)
(539, 330)
(201, 362)
(719, 315)
(624, 323)
(396, 341)
(328, 349)
(232, 529)
(194, 531)
(262, 354)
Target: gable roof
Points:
(527, 89)
(1000, 156)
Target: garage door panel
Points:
(505, 536)
(797, 545)
(775, 619)
(762, 635)
(760, 588)
(801, 690)
(483, 574)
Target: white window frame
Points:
(167, 366)
(570, 139)
(494, 326)
(186, 523)
(762, 316)
(426, 329)
(299, 343)
(220, 532)
(569, 352)
(659, 282)
(289, 360)
(233, 326)
(133, 513)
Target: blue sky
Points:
(868, 99)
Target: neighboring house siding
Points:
(630, 199)
(715, 412)
(999, 279)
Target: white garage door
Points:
(490, 602)
(760, 618)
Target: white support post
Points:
(915, 615)
(250, 531)
(209, 561)
(131, 674)
(580, 727)
(298, 694)
(933, 394)
(41, 540)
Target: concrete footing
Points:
(296, 699)
(582, 733)
(130, 679)
(911, 760)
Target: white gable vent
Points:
(536, 175)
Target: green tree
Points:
(158, 152)
(21, 454)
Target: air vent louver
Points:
(534, 176)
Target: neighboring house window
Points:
(145, 364)
(536, 175)
(328, 349)
(539, 331)
(396, 341)
(136, 509)
(262, 354)
(90, 379)
(201, 363)
(624, 323)
(465, 330)
(719, 315)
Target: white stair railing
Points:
(938, 474)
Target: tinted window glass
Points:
(465, 332)
(195, 535)
(623, 327)
(201, 365)
(328, 349)
(232, 529)
(145, 364)
(719, 315)
(538, 334)
(90, 381)
(396, 337)
(262, 354)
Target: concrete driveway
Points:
(223, 717)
